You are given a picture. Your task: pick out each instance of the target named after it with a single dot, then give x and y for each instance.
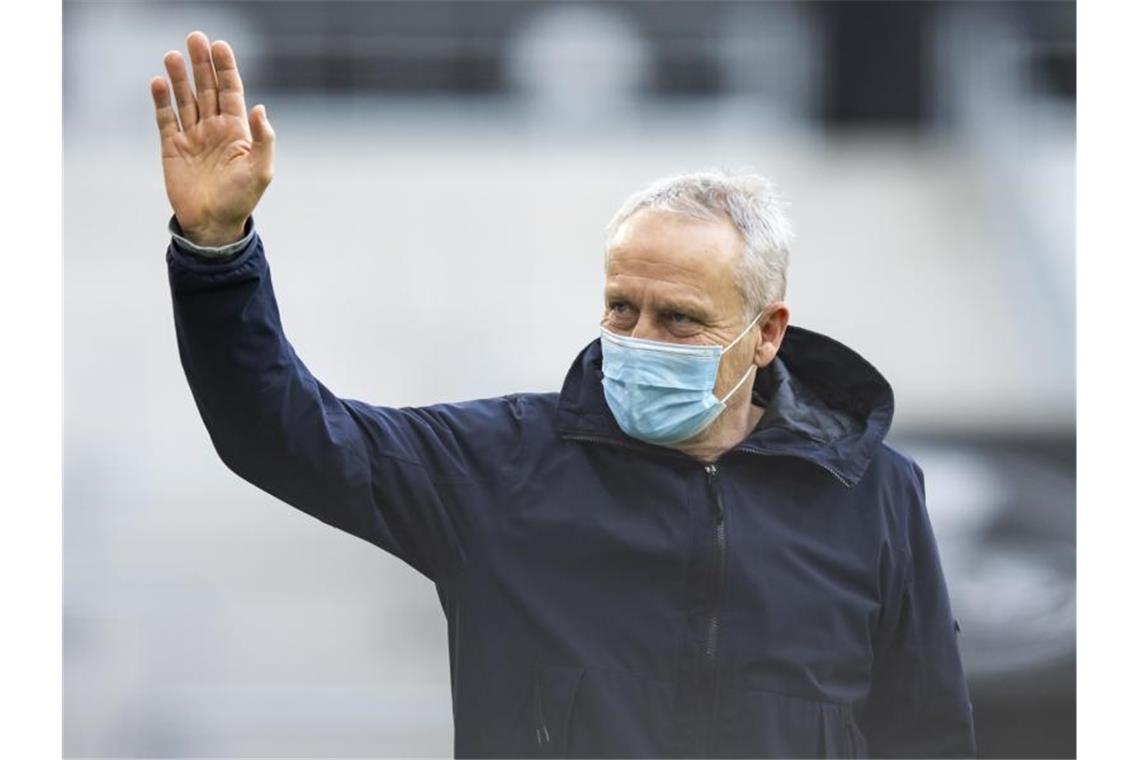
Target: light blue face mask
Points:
(662, 392)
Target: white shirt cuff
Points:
(213, 251)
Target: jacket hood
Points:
(823, 402)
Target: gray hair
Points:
(749, 201)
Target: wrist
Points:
(215, 235)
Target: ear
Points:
(772, 328)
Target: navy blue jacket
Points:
(605, 597)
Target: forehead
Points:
(659, 254)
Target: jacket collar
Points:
(823, 402)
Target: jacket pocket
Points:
(553, 690)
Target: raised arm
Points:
(397, 477)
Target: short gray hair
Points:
(750, 201)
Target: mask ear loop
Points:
(739, 383)
(743, 377)
(744, 331)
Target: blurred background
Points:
(444, 171)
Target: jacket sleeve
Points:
(919, 705)
(392, 476)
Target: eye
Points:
(681, 324)
(619, 307)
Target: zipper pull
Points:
(718, 504)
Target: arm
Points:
(393, 477)
(919, 704)
(389, 476)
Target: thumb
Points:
(259, 126)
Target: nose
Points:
(639, 329)
(647, 327)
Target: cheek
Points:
(732, 367)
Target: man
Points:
(701, 546)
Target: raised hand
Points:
(219, 162)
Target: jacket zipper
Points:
(712, 473)
(718, 512)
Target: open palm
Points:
(217, 164)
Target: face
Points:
(671, 278)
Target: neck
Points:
(729, 429)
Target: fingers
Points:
(183, 95)
(163, 111)
(231, 96)
(215, 91)
(205, 82)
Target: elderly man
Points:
(701, 546)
